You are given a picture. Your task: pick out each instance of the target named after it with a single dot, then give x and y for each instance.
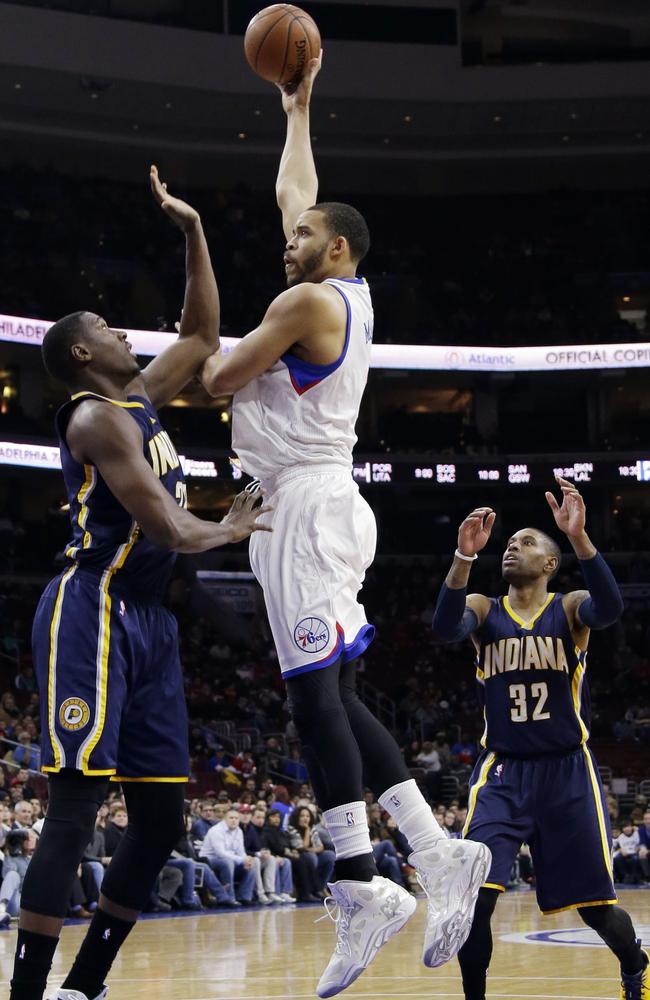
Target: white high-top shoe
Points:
(367, 915)
(451, 874)
(76, 995)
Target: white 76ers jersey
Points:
(299, 414)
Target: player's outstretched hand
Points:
(185, 217)
(475, 531)
(297, 93)
(243, 516)
(571, 516)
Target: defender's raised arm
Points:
(198, 337)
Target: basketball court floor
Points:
(279, 953)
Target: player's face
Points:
(305, 257)
(525, 557)
(111, 352)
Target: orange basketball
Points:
(280, 41)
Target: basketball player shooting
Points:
(298, 381)
(105, 649)
(536, 781)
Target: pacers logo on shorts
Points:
(311, 635)
(74, 714)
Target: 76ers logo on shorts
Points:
(311, 635)
(74, 714)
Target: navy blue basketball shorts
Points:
(557, 806)
(110, 681)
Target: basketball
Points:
(280, 40)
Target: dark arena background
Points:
(500, 151)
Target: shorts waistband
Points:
(121, 588)
(539, 757)
(272, 483)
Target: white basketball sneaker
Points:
(451, 874)
(76, 995)
(367, 915)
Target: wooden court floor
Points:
(279, 954)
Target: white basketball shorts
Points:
(312, 565)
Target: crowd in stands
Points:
(516, 269)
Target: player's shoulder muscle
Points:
(308, 305)
(97, 428)
(480, 605)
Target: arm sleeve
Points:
(604, 605)
(452, 619)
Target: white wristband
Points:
(459, 555)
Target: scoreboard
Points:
(445, 472)
(539, 471)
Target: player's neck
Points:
(527, 597)
(104, 385)
(345, 272)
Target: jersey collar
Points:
(520, 621)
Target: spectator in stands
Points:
(115, 827)
(21, 786)
(281, 802)
(464, 751)
(644, 845)
(253, 821)
(383, 848)
(185, 858)
(9, 710)
(6, 820)
(450, 826)
(273, 752)
(23, 815)
(244, 767)
(95, 856)
(429, 759)
(306, 840)
(223, 846)
(19, 846)
(205, 820)
(293, 767)
(26, 754)
(221, 764)
(278, 842)
(442, 748)
(626, 854)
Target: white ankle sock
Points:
(348, 827)
(408, 807)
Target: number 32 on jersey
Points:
(528, 704)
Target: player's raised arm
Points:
(105, 436)
(601, 603)
(296, 187)
(457, 615)
(198, 337)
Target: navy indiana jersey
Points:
(106, 541)
(531, 681)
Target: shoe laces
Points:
(341, 915)
(431, 891)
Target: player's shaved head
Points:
(58, 342)
(344, 220)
